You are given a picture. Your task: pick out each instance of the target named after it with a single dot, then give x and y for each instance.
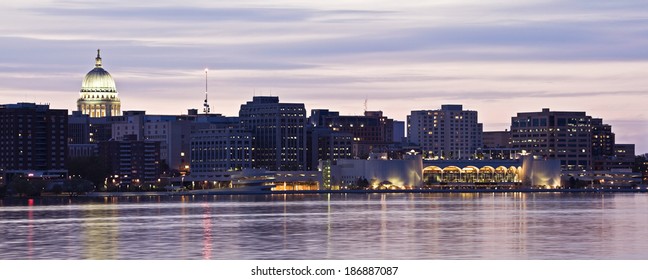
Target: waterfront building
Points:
(613, 178)
(641, 166)
(297, 181)
(468, 172)
(538, 171)
(33, 138)
(131, 161)
(623, 157)
(448, 133)
(565, 136)
(378, 170)
(98, 95)
(279, 131)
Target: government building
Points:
(98, 93)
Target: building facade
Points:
(565, 136)
(623, 158)
(220, 149)
(603, 139)
(325, 144)
(131, 161)
(373, 132)
(448, 133)
(98, 95)
(496, 139)
(32, 137)
(172, 132)
(279, 131)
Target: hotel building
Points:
(448, 133)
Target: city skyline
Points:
(498, 59)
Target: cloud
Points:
(498, 57)
(210, 14)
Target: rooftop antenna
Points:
(365, 104)
(206, 105)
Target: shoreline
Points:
(256, 192)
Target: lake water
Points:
(328, 226)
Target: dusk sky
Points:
(496, 57)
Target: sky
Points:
(495, 57)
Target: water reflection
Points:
(329, 226)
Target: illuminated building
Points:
(448, 133)
(565, 136)
(538, 171)
(279, 131)
(297, 181)
(470, 172)
(378, 170)
(99, 93)
(414, 172)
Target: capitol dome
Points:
(98, 80)
(99, 93)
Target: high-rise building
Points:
(602, 139)
(279, 131)
(99, 93)
(32, 137)
(566, 136)
(448, 133)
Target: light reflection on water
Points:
(329, 226)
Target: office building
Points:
(220, 149)
(279, 131)
(565, 136)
